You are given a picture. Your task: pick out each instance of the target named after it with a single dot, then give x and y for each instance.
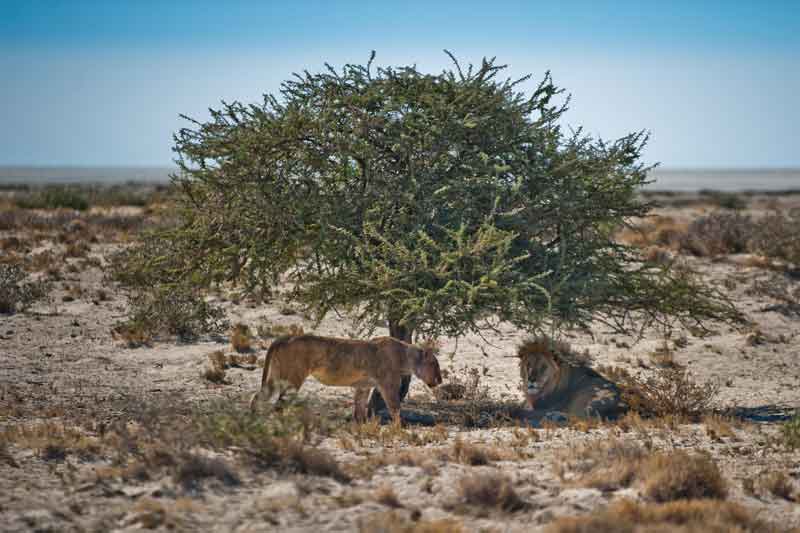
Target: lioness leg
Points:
(376, 402)
(391, 395)
(360, 396)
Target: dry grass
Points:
(667, 391)
(192, 469)
(397, 522)
(774, 483)
(703, 516)
(663, 476)
(312, 461)
(269, 330)
(51, 441)
(657, 231)
(463, 383)
(387, 496)
(679, 475)
(719, 427)
(608, 465)
(476, 454)
(489, 490)
(133, 334)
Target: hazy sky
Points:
(102, 83)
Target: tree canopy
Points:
(439, 203)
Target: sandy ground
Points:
(59, 362)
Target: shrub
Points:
(668, 391)
(462, 384)
(277, 441)
(626, 516)
(776, 483)
(490, 489)
(15, 293)
(719, 234)
(268, 330)
(607, 465)
(192, 468)
(54, 197)
(790, 433)
(175, 310)
(681, 476)
(778, 236)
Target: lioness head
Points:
(426, 366)
(539, 367)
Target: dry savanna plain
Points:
(105, 428)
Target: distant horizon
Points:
(663, 178)
(660, 167)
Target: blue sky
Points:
(102, 83)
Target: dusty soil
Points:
(59, 364)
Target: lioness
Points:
(381, 362)
(557, 380)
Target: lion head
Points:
(541, 360)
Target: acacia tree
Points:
(439, 204)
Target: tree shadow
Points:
(763, 413)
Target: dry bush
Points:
(475, 454)
(656, 231)
(702, 516)
(287, 310)
(241, 340)
(133, 334)
(269, 330)
(664, 476)
(277, 441)
(608, 465)
(192, 469)
(719, 234)
(51, 441)
(463, 384)
(388, 497)
(312, 461)
(489, 490)
(778, 236)
(396, 522)
(77, 249)
(773, 482)
(778, 287)
(680, 476)
(17, 294)
(668, 391)
(718, 426)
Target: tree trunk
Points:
(376, 403)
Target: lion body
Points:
(381, 363)
(559, 381)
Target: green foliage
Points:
(54, 197)
(280, 440)
(790, 432)
(17, 294)
(441, 203)
(779, 236)
(160, 301)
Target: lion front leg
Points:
(360, 397)
(391, 394)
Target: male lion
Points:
(557, 380)
(381, 362)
